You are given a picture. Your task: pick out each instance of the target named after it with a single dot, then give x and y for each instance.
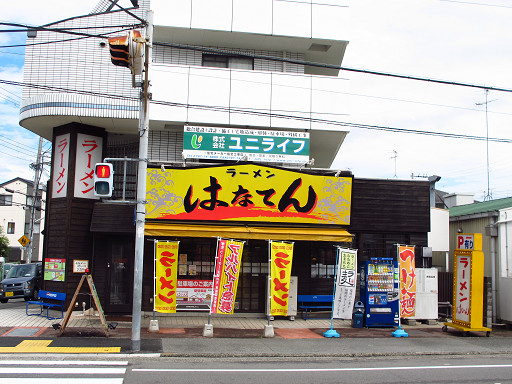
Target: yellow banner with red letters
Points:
(166, 276)
(406, 260)
(225, 280)
(281, 256)
(248, 193)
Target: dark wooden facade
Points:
(68, 219)
(390, 206)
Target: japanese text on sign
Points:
(257, 145)
(345, 287)
(281, 255)
(60, 166)
(407, 267)
(247, 192)
(463, 288)
(166, 276)
(88, 153)
(227, 269)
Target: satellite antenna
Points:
(395, 155)
(488, 195)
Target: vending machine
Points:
(379, 292)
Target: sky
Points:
(467, 41)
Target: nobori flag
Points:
(281, 255)
(225, 282)
(166, 276)
(345, 288)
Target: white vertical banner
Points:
(88, 152)
(60, 166)
(345, 287)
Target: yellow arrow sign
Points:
(23, 240)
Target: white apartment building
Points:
(15, 218)
(196, 87)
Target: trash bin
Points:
(358, 315)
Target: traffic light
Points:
(103, 180)
(128, 51)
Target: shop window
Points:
(10, 228)
(323, 262)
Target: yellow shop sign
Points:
(247, 192)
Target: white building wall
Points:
(14, 213)
(19, 214)
(305, 18)
(505, 265)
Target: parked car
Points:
(22, 280)
(6, 268)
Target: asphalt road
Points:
(423, 369)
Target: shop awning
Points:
(248, 232)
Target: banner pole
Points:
(269, 279)
(154, 276)
(213, 282)
(399, 332)
(332, 332)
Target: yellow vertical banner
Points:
(166, 276)
(407, 267)
(225, 281)
(281, 256)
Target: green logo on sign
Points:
(196, 141)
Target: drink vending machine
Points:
(379, 284)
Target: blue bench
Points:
(310, 302)
(48, 300)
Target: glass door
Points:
(120, 277)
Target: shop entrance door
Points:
(119, 292)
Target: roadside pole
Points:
(35, 190)
(141, 189)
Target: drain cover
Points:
(23, 332)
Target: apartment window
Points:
(6, 200)
(37, 228)
(224, 61)
(10, 228)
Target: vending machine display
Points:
(379, 292)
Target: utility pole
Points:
(35, 191)
(141, 189)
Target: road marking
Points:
(62, 362)
(222, 370)
(64, 371)
(42, 346)
(53, 380)
(93, 369)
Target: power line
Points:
(255, 111)
(328, 66)
(157, 69)
(480, 4)
(83, 36)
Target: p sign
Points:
(465, 241)
(469, 241)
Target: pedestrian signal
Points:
(103, 180)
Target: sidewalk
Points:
(233, 336)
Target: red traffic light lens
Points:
(103, 171)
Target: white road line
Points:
(62, 371)
(61, 362)
(52, 380)
(324, 369)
